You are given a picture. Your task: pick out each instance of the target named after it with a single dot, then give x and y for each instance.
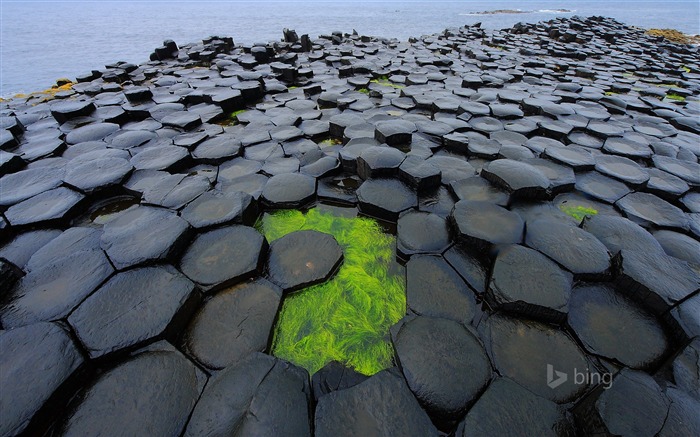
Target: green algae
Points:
(347, 318)
(674, 96)
(330, 142)
(232, 118)
(384, 81)
(578, 212)
(363, 91)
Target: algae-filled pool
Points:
(346, 318)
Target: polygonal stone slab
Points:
(131, 308)
(482, 224)
(21, 248)
(520, 179)
(618, 233)
(128, 239)
(445, 365)
(303, 258)
(506, 409)
(97, 173)
(421, 232)
(686, 367)
(419, 174)
(394, 132)
(385, 198)
(596, 311)
(70, 241)
(509, 340)
(91, 132)
(377, 161)
(575, 249)
(35, 361)
(601, 187)
(222, 257)
(479, 189)
(234, 323)
(334, 376)
(526, 282)
(52, 291)
(452, 169)
(382, 406)
(28, 183)
(647, 208)
(682, 415)
(289, 190)
(679, 245)
(260, 395)
(154, 391)
(621, 168)
(159, 158)
(215, 208)
(52, 205)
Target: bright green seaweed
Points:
(347, 318)
(578, 212)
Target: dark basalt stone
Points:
(520, 179)
(252, 184)
(217, 149)
(260, 395)
(215, 208)
(621, 168)
(506, 409)
(339, 188)
(479, 189)
(68, 109)
(665, 184)
(52, 291)
(129, 139)
(97, 174)
(182, 120)
(627, 147)
(233, 323)
(601, 187)
(646, 208)
(686, 367)
(154, 391)
(238, 167)
(70, 241)
(170, 191)
(681, 415)
(159, 158)
(303, 258)
(385, 198)
(526, 282)
(614, 414)
(394, 132)
(222, 257)
(578, 158)
(24, 245)
(380, 406)
(289, 190)
(10, 162)
(131, 308)
(378, 161)
(9, 275)
(28, 183)
(597, 310)
(22, 349)
(452, 169)
(128, 239)
(618, 233)
(657, 280)
(689, 171)
(679, 246)
(509, 340)
(421, 232)
(91, 132)
(334, 376)
(575, 249)
(50, 206)
(481, 224)
(444, 364)
(561, 178)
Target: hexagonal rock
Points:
(70, 241)
(129, 139)
(289, 190)
(434, 289)
(508, 340)
(647, 208)
(520, 179)
(216, 207)
(613, 413)
(129, 238)
(421, 232)
(224, 256)
(182, 120)
(385, 198)
(506, 409)
(482, 224)
(597, 310)
(67, 109)
(419, 174)
(479, 189)
(452, 169)
(686, 368)
(682, 415)
(155, 391)
(601, 187)
(334, 376)
(378, 161)
(526, 282)
(28, 183)
(383, 405)
(657, 280)
(52, 291)
(91, 132)
(621, 168)
(26, 386)
(21, 248)
(53, 205)
(679, 245)
(303, 258)
(131, 308)
(575, 249)
(618, 233)
(689, 171)
(445, 365)
(234, 323)
(394, 132)
(97, 173)
(260, 395)
(159, 158)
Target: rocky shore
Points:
(542, 183)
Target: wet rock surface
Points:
(557, 153)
